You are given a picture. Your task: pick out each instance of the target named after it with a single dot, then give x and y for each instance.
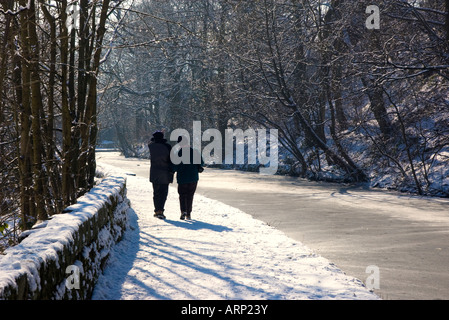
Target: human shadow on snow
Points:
(198, 225)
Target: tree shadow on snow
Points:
(111, 283)
(183, 272)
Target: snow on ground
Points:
(222, 254)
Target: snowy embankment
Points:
(70, 246)
(223, 253)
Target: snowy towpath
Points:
(223, 253)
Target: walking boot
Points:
(159, 214)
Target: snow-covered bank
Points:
(78, 240)
(223, 253)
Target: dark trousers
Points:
(186, 192)
(160, 192)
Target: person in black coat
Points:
(161, 174)
(187, 178)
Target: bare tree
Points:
(348, 101)
(48, 98)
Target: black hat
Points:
(158, 135)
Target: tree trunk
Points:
(51, 161)
(5, 45)
(67, 178)
(377, 106)
(23, 93)
(83, 78)
(36, 107)
(375, 91)
(91, 105)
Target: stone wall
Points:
(62, 258)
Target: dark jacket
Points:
(188, 172)
(160, 169)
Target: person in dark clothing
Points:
(161, 174)
(187, 178)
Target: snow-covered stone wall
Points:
(62, 258)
